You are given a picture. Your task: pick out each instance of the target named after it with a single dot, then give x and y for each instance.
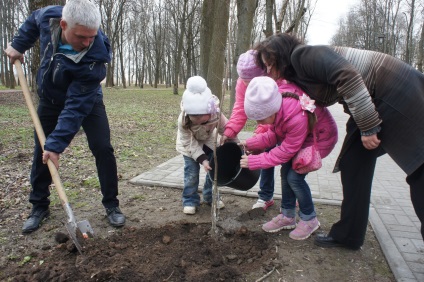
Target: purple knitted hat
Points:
(246, 66)
(262, 98)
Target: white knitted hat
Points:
(262, 98)
(198, 98)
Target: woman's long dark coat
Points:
(396, 89)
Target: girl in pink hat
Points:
(247, 69)
(292, 120)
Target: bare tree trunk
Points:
(215, 71)
(294, 26)
(206, 33)
(421, 50)
(177, 62)
(35, 51)
(282, 14)
(409, 33)
(189, 52)
(301, 11)
(158, 43)
(112, 13)
(121, 54)
(7, 30)
(269, 11)
(193, 30)
(245, 14)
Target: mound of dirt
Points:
(160, 243)
(175, 252)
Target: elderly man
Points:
(73, 55)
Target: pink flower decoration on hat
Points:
(307, 103)
(213, 105)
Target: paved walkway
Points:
(391, 215)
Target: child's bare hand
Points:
(206, 165)
(223, 139)
(243, 145)
(244, 161)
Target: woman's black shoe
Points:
(326, 241)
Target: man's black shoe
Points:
(34, 220)
(115, 216)
(326, 241)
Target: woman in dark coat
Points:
(385, 100)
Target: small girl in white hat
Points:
(197, 124)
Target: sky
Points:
(325, 19)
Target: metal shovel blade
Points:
(78, 232)
(72, 232)
(85, 228)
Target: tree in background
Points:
(245, 15)
(391, 26)
(8, 28)
(213, 43)
(163, 42)
(35, 51)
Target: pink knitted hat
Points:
(246, 66)
(262, 98)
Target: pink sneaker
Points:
(263, 204)
(304, 229)
(279, 222)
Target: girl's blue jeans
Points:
(191, 184)
(294, 186)
(266, 183)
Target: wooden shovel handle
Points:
(40, 133)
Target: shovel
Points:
(81, 229)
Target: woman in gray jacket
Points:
(385, 100)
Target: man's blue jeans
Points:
(294, 186)
(191, 184)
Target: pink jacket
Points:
(238, 117)
(290, 131)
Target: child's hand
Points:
(244, 162)
(223, 139)
(243, 145)
(206, 165)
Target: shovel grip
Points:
(41, 136)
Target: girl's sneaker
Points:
(279, 222)
(263, 204)
(304, 229)
(189, 210)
